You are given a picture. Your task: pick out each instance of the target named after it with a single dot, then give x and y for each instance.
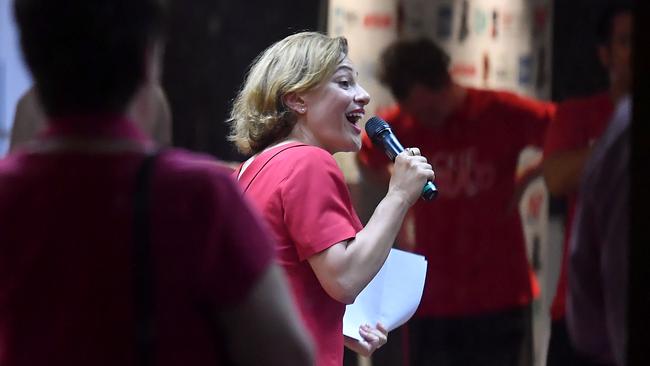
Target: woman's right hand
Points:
(410, 173)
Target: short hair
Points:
(297, 63)
(405, 63)
(606, 20)
(87, 56)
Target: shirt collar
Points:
(94, 126)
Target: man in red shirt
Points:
(578, 124)
(475, 309)
(71, 285)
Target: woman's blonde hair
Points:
(295, 64)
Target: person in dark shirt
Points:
(599, 247)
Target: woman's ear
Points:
(294, 102)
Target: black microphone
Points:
(382, 136)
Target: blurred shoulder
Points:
(508, 101)
(306, 156)
(11, 165)
(583, 103)
(523, 101)
(179, 166)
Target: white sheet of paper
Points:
(392, 297)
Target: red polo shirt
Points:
(302, 194)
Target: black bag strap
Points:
(143, 269)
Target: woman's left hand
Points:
(373, 338)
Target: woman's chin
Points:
(355, 146)
(351, 144)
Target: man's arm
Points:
(562, 170)
(264, 329)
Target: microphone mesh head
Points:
(375, 126)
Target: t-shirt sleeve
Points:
(242, 248)
(316, 202)
(563, 133)
(536, 117)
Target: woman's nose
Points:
(362, 96)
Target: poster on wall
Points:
(493, 44)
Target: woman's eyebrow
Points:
(347, 68)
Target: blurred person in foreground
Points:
(301, 103)
(70, 236)
(149, 110)
(476, 305)
(599, 247)
(578, 124)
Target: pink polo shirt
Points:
(66, 243)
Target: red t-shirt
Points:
(473, 244)
(578, 123)
(302, 194)
(66, 244)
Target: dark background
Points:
(211, 44)
(576, 68)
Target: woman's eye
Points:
(344, 83)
